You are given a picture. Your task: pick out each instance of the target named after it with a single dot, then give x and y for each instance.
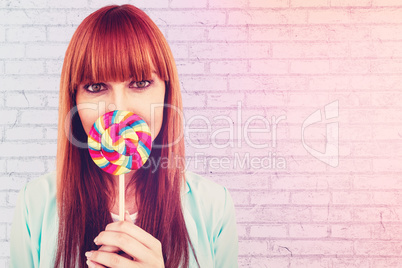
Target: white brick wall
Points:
(278, 57)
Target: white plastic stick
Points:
(121, 197)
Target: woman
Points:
(119, 60)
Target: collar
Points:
(186, 188)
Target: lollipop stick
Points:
(121, 197)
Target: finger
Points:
(113, 249)
(92, 264)
(126, 243)
(138, 233)
(109, 248)
(108, 259)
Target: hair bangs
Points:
(118, 48)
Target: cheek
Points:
(89, 111)
(148, 107)
(154, 119)
(155, 129)
(155, 108)
(88, 118)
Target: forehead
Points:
(117, 50)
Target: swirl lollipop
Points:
(118, 142)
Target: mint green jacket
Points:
(208, 212)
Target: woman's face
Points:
(144, 98)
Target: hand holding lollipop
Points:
(118, 142)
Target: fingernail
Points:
(96, 240)
(90, 264)
(88, 254)
(127, 213)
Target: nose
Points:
(118, 98)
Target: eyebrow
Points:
(89, 81)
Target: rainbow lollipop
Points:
(118, 142)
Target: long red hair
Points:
(113, 44)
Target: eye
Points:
(95, 87)
(141, 84)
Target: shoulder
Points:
(43, 187)
(39, 195)
(207, 198)
(201, 187)
(196, 181)
(34, 222)
(211, 219)
(47, 181)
